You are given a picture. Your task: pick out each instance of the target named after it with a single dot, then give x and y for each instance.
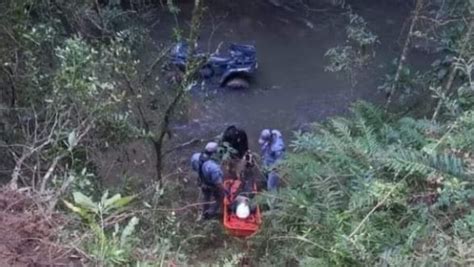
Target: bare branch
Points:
(50, 171)
(155, 63)
(403, 56)
(183, 145)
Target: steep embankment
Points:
(29, 234)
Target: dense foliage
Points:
(73, 86)
(375, 189)
(381, 186)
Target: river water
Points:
(291, 87)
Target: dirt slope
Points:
(28, 235)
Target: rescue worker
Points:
(211, 179)
(248, 174)
(235, 144)
(273, 150)
(237, 139)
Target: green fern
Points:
(340, 127)
(372, 115)
(304, 142)
(343, 169)
(462, 133)
(411, 161)
(368, 138)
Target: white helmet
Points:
(265, 136)
(243, 210)
(211, 147)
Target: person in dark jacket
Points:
(234, 145)
(237, 139)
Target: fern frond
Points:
(371, 114)
(307, 142)
(411, 133)
(368, 137)
(411, 161)
(340, 127)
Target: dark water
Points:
(291, 87)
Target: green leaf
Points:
(109, 203)
(128, 231)
(85, 202)
(72, 207)
(117, 202)
(104, 198)
(75, 209)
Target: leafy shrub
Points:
(374, 190)
(107, 247)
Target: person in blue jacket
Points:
(273, 150)
(211, 179)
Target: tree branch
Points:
(183, 145)
(403, 56)
(154, 64)
(376, 207)
(453, 72)
(50, 172)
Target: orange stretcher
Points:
(234, 225)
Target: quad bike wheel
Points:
(238, 83)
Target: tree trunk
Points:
(403, 56)
(191, 67)
(13, 184)
(164, 129)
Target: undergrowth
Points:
(376, 190)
